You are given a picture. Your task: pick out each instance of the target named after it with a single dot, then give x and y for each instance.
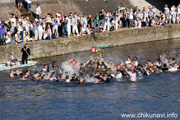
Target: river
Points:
(160, 93)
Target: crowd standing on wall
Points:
(17, 30)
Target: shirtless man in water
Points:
(14, 73)
(26, 75)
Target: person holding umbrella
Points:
(25, 53)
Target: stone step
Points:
(30, 15)
(23, 10)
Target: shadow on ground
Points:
(160, 3)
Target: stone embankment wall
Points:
(40, 49)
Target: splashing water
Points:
(66, 67)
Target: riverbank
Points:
(40, 49)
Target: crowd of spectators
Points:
(16, 30)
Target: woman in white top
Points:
(107, 21)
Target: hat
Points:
(36, 20)
(57, 14)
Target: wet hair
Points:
(171, 65)
(26, 71)
(148, 68)
(74, 75)
(155, 66)
(140, 65)
(165, 65)
(45, 65)
(35, 72)
(135, 57)
(134, 60)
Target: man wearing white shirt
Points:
(13, 19)
(154, 10)
(173, 8)
(69, 19)
(166, 8)
(84, 22)
(74, 25)
(144, 19)
(178, 9)
(38, 11)
(28, 5)
(40, 29)
(107, 21)
(130, 18)
(116, 19)
(174, 15)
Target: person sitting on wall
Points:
(12, 59)
(46, 35)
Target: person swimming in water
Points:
(25, 75)
(130, 71)
(74, 78)
(36, 76)
(14, 73)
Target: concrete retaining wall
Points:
(60, 46)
